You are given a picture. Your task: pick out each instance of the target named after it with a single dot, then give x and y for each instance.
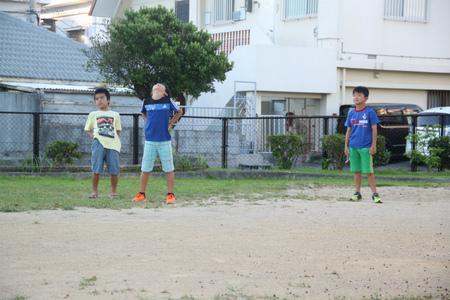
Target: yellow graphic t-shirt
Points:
(105, 125)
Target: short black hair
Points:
(102, 90)
(169, 94)
(361, 89)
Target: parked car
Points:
(431, 117)
(395, 123)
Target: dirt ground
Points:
(304, 244)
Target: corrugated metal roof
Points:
(58, 87)
(29, 51)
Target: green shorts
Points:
(361, 160)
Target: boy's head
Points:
(101, 94)
(360, 96)
(361, 89)
(104, 91)
(162, 88)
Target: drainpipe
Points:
(344, 71)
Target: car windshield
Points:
(432, 119)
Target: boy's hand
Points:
(347, 153)
(373, 149)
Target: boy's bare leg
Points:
(358, 178)
(95, 180)
(170, 177)
(144, 181)
(371, 179)
(114, 181)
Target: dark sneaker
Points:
(356, 197)
(376, 198)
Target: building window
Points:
(223, 11)
(299, 9)
(77, 35)
(182, 10)
(407, 10)
(438, 98)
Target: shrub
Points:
(381, 158)
(62, 152)
(424, 152)
(286, 149)
(443, 143)
(334, 146)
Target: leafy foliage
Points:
(286, 149)
(150, 46)
(441, 143)
(334, 146)
(63, 152)
(381, 158)
(426, 152)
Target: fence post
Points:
(224, 142)
(413, 144)
(325, 126)
(325, 132)
(36, 137)
(441, 122)
(135, 139)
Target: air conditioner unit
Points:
(236, 15)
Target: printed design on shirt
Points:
(105, 126)
(164, 106)
(362, 122)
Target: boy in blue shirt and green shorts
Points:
(156, 113)
(361, 142)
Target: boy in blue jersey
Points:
(361, 142)
(156, 113)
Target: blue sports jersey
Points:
(158, 115)
(361, 122)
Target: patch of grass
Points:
(85, 282)
(18, 297)
(67, 193)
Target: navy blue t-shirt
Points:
(158, 116)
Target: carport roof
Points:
(29, 51)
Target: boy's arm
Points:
(175, 118)
(118, 132)
(144, 116)
(347, 139)
(373, 148)
(89, 133)
(88, 127)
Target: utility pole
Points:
(32, 13)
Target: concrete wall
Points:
(19, 101)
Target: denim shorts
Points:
(164, 149)
(101, 155)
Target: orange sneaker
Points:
(170, 199)
(139, 197)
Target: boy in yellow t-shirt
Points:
(106, 128)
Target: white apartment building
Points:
(306, 56)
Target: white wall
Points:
(369, 33)
(277, 69)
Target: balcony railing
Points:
(231, 39)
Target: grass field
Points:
(44, 193)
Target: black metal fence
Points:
(221, 141)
